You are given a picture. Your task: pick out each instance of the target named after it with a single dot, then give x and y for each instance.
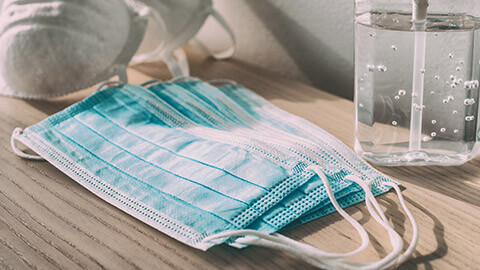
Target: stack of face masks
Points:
(210, 165)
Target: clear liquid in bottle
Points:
(384, 64)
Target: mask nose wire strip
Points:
(218, 55)
(18, 152)
(320, 258)
(145, 57)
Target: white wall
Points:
(306, 40)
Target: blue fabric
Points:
(310, 200)
(193, 160)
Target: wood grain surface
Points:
(47, 221)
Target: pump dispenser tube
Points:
(419, 16)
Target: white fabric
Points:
(16, 150)
(51, 48)
(327, 260)
(181, 21)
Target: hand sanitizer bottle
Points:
(417, 74)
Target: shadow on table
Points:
(399, 222)
(457, 182)
(442, 246)
(53, 105)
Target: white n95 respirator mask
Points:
(52, 48)
(180, 22)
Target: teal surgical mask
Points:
(208, 165)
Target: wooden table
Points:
(47, 221)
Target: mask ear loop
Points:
(13, 142)
(145, 57)
(218, 55)
(323, 259)
(153, 81)
(182, 61)
(175, 65)
(222, 82)
(105, 83)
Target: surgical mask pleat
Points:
(174, 141)
(282, 214)
(134, 187)
(266, 112)
(189, 190)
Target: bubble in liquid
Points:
(397, 97)
(448, 99)
(474, 84)
(360, 105)
(426, 139)
(418, 108)
(443, 129)
(455, 112)
(394, 48)
(458, 69)
(469, 101)
(456, 131)
(414, 95)
(370, 68)
(452, 78)
(434, 122)
(469, 118)
(432, 92)
(402, 92)
(394, 123)
(450, 55)
(437, 77)
(459, 81)
(382, 68)
(471, 85)
(462, 62)
(372, 34)
(362, 79)
(453, 85)
(422, 71)
(433, 134)
(395, 20)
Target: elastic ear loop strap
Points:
(107, 83)
(150, 55)
(218, 55)
(177, 68)
(18, 152)
(323, 259)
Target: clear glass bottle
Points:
(416, 82)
